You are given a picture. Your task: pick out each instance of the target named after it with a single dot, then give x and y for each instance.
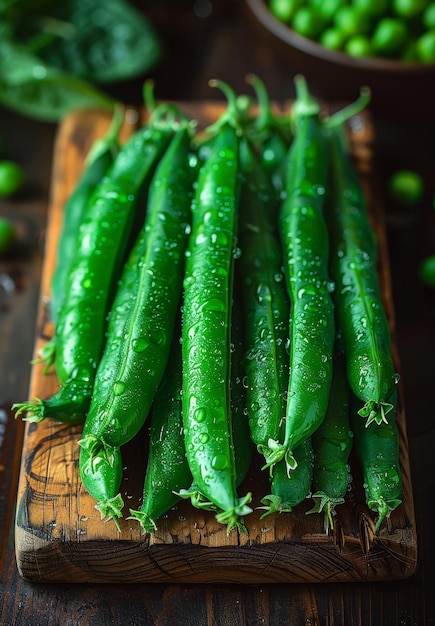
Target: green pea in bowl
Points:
(399, 88)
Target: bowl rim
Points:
(312, 48)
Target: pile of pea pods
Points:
(221, 287)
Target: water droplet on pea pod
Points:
(80, 373)
(254, 407)
(263, 293)
(203, 438)
(139, 344)
(219, 462)
(219, 238)
(158, 337)
(200, 239)
(200, 414)
(213, 305)
(118, 388)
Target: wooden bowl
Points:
(398, 89)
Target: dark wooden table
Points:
(222, 45)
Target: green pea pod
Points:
(306, 249)
(332, 444)
(167, 469)
(97, 163)
(377, 447)
(287, 491)
(241, 440)
(101, 246)
(265, 302)
(133, 363)
(101, 476)
(361, 317)
(206, 335)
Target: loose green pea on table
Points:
(11, 178)
(8, 235)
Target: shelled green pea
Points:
(402, 30)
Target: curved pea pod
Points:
(167, 469)
(134, 360)
(99, 256)
(360, 314)
(305, 244)
(265, 302)
(377, 447)
(206, 330)
(332, 445)
(101, 476)
(97, 163)
(289, 490)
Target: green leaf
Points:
(100, 40)
(33, 88)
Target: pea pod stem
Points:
(270, 133)
(265, 120)
(232, 116)
(110, 142)
(305, 106)
(287, 491)
(339, 118)
(323, 503)
(101, 476)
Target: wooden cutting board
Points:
(59, 534)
